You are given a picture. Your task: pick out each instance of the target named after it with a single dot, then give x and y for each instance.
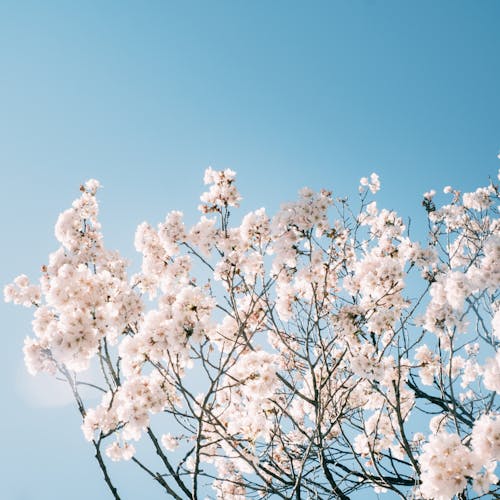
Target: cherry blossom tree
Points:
(309, 355)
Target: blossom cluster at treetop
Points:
(310, 354)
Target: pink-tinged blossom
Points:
(479, 200)
(118, 452)
(491, 373)
(485, 443)
(169, 442)
(486, 479)
(92, 185)
(203, 235)
(22, 292)
(255, 228)
(38, 358)
(445, 464)
(485, 439)
(471, 370)
(428, 364)
(495, 324)
(430, 194)
(373, 183)
(103, 418)
(222, 192)
(229, 489)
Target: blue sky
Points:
(145, 95)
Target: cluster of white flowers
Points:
(222, 192)
(22, 292)
(118, 452)
(373, 183)
(447, 463)
(248, 402)
(428, 362)
(169, 442)
(480, 199)
(84, 296)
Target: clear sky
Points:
(145, 95)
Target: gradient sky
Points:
(145, 95)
